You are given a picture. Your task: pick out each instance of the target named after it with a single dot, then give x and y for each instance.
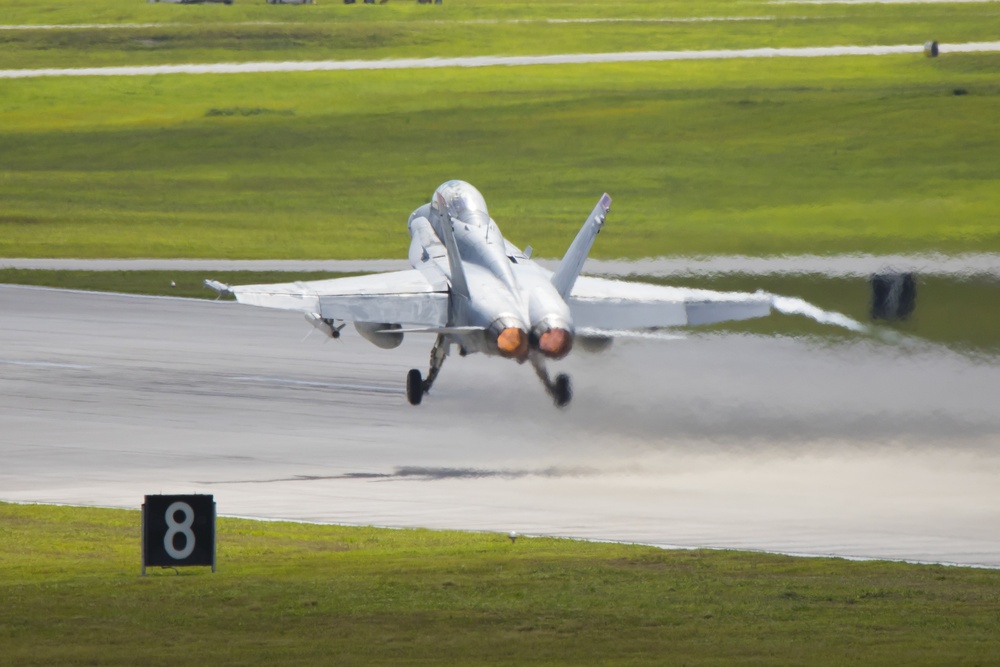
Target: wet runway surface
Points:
(850, 447)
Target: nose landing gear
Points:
(416, 385)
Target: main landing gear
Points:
(560, 390)
(417, 386)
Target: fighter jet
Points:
(477, 292)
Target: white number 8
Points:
(184, 528)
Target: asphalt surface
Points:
(854, 448)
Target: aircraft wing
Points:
(397, 297)
(602, 304)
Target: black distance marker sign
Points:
(178, 531)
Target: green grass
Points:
(387, 35)
(304, 594)
(756, 157)
(872, 154)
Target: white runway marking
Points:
(687, 19)
(288, 382)
(44, 364)
(496, 61)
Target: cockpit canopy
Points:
(461, 201)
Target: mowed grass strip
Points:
(303, 593)
(878, 154)
(247, 31)
(66, 12)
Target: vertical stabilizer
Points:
(572, 262)
(458, 283)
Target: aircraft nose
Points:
(555, 343)
(513, 343)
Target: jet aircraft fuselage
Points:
(515, 313)
(475, 290)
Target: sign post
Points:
(178, 531)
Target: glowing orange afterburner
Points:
(512, 343)
(555, 343)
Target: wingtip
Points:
(222, 289)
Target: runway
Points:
(852, 448)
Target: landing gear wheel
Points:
(414, 387)
(562, 393)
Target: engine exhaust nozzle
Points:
(555, 343)
(513, 343)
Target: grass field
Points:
(292, 593)
(786, 156)
(152, 33)
(872, 154)
(312, 33)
